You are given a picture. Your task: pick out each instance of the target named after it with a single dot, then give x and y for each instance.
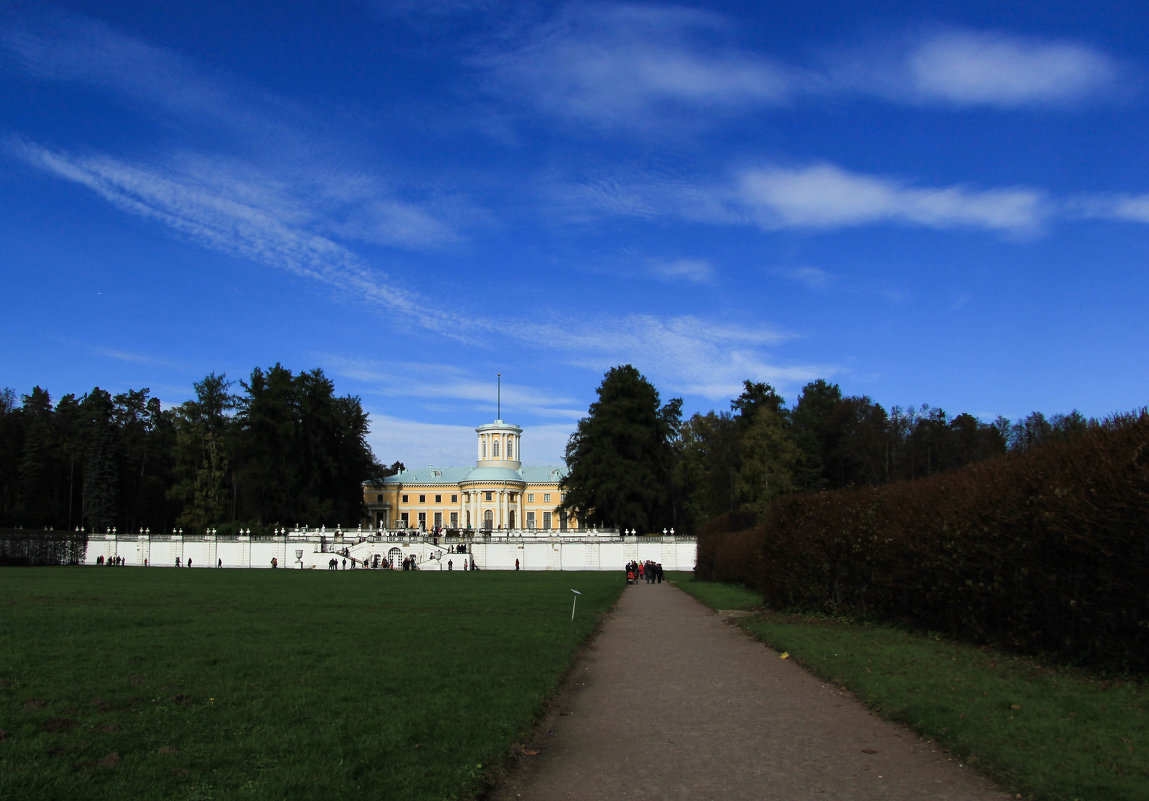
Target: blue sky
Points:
(925, 203)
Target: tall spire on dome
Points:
(499, 404)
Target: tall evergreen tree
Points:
(816, 430)
(201, 462)
(770, 458)
(860, 454)
(38, 468)
(757, 395)
(71, 437)
(620, 455)
(302, 452)
(12, 447)
(705, 468)
(269, 466)
(100, 468)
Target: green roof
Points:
(451, 476)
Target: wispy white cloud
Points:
(826, 196)
(432, 8)
(449, 382)
(155, 82)
(629, 65)
(302, 184)
(643, 67)
(824, 282)
(686, 350)
(815, 196)
(694, 271)
(684, 354)
(131, 357)
(301, 215)
(960, 68)
(996, 69)
(813, 278)
(250, 222)
(1111, 206)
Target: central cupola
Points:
(498, 445)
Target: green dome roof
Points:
(494, 474)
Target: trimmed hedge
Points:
(19, 547)
(1042, 552)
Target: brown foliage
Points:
(1045, 551)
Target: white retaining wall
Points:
(569, 552)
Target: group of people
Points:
(374, 562)
(120, 561)
(649, 572)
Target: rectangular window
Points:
(530, 497)
(438, 519)
(404, 499)
(378, 499)
(422, 520)
(438, 499)
(454, 499)
(487, 495)
(530, 519)
(546, 521)
(403, 520)
(454, 519)
(422, 499)
(547, 498)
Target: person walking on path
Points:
(724, 718)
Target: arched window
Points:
(484, 449)
(510, 449)
(495, 449)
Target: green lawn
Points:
(132, 683)
(1044, 732)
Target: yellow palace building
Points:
(498, 494)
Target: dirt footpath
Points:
(672, 702)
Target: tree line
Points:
(282, 451)
(635, 463)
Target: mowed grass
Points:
(133, 683)
(1043, 732)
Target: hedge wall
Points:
(29, 547)
(1043, 552)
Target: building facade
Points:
(497, 494)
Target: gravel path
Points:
(672, 702)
